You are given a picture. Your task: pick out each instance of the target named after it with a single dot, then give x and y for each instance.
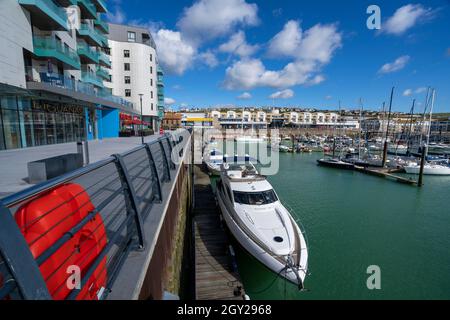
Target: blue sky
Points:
(296, 53)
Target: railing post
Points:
(131, 197)
(21, 263)
(154, 170)
(172, 165)
(166, 161)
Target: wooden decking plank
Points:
(215, 279)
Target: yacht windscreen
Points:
(242, 167)
(255, 198)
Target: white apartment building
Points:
(134, 69)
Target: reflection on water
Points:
(354, 221)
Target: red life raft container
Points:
(45, 220)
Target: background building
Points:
(53, 63)
(171, 120)
(134, 70)
(161, 103)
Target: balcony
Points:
(92, 78)
(104, 60)
(48, 47)
(88, 9)
(101, 25)
(73, 86)
(87, 54)
(103, 73)
(46, 14)
(90, 35)
(100, 5)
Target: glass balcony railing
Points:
(103, 73)
(87, 52)
(88, 9)
(92, 78)
(105, 59)
(49, 47)
(102, 25)
(101, 5)
(57, 80)
(87, 31)
(46, 14)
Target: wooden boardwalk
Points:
(214, 277)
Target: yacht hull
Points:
(336, 165)
(432, 171)
(271, 262)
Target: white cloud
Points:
(420, 90)
(245, 96)
(169, 101)
(208, 19)
(317, 43)
(117, 15)
(310, 53)
(397, 65)
(174, 53)
(251, 73)
(237, 44)
(285, 94)
(328, 97)
(320, 42)
(410, 92)
(407, 93)
(405, 18)
(208, 58)
(287, 41)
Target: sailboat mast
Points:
(360, 128)
(387, 129)
(410, 127)
(433, 96)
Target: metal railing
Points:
(60, 81)
(121, 190)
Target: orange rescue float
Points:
(45, 220)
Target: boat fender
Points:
(46, 219)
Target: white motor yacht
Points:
(214, 160)
(429, 169)
(260, 223)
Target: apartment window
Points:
(151, 70)
(127, 67)
(152, 106)
(131, 36)
(126, 53)
(151, 57)
(151, 82)
(127, 79)
(127, 92)
(151, 94)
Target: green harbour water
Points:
(354, 221)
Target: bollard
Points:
(86, 150)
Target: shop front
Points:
(27, 122)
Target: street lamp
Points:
(142, 123)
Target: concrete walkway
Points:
(13, 163)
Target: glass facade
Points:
(30, 123)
